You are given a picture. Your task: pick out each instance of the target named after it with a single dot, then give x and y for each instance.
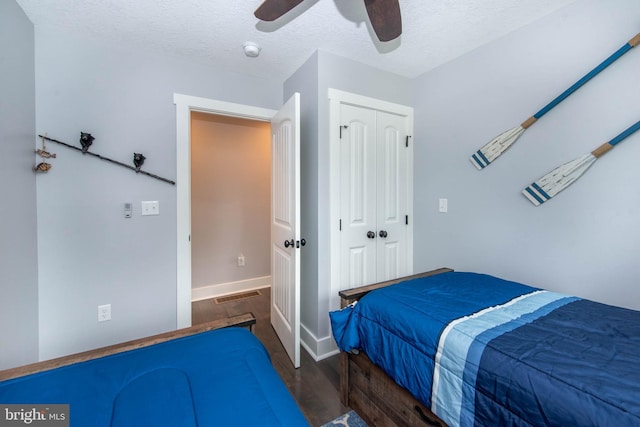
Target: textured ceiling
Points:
(213, 31)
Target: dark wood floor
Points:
(314, 385)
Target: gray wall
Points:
(586, 240)
(18, 250)
(230, 199)
(89, 254)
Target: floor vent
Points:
(236, 297)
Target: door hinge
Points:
(406, 142)
(343, 127)
(406, 219)
(340, 225)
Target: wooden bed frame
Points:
(246, 320)
(369, 390)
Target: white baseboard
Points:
(318, 348)
(221, 289)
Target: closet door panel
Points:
(392, 189)
(358, 196)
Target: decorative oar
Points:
(563, 176)
(494, 148)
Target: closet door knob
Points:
(383, 233)
(371, 234)
(288, 243)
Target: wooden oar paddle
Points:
(494, 148)
(563, 176)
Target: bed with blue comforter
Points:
(221, 377)
(479, 350)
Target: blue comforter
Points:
(222, 377)
(484, 351)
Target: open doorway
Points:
(230, 204)
(186, 106)
(285, 210)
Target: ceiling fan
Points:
(383, 14)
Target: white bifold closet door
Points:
(374, 199)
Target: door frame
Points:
(336, 98)
(185, 104)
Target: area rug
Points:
(350, 419)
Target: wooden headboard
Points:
(246, 320)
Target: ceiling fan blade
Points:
(385, 18)
(270, 10)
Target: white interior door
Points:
(285, 227)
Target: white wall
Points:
(586, 240)
(89, 254)
(18, 250)
(230, 200)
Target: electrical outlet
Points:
(104, 312)
(240, 260)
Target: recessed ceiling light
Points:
(251, 49)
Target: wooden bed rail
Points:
(350, 295)
(246, 320)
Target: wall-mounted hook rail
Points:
(108, 160)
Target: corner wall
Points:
(313, 80)
(586, 240)
(305, 81)
(89, 254)
(18, 238)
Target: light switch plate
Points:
(150, 208)
(443, 205)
